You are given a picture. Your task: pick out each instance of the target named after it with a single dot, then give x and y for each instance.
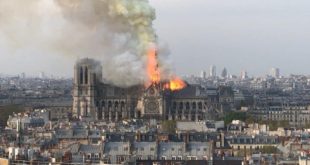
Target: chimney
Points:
(186, 138)
(187, 141)
(138, 136)
(222, 139)
(51, 126)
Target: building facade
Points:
(294, 115)
(98, 100)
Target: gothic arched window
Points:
(86, 75)
(187, 105)
(174, 105)
(122, 104)
(94, 77)
(199, 105)
(181, 105)
(116, 104)
(110, 104)
(103, 104)
(194, 105)
(81, 75)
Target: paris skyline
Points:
(240, 35)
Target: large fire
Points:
(154, 74)
(175, 84)
(152, 66)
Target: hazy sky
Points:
(252, 35)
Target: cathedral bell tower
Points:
(87, 75)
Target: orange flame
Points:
(152, 66)
(155, 76)
(175, 84)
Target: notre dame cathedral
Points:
(92, 98)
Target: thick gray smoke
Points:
(116, 32)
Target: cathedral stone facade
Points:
(92, 98)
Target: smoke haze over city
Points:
(239, 35)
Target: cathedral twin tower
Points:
(95, 100)
(87, 74)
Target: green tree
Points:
(234, 116)
(7, 110)
(268, 150)
(283, 123)
(273, 125)
(307, 125)
(169, 126)
(249, 119)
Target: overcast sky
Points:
(252, 35)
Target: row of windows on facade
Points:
(283, 112)
(247, 147)
(186, 117)
(121, 159)
(288, 117)
(93, 155)
(180, 149)
(181, 158)
(257, 141)
(181, 105)
(291, 120)
(281, 108)
(267, 113)
(151, 149)
(111, 104)
(187, 105)
(301, 120)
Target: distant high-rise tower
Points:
(23, 75)
(42, 75)
(203, 74)
(244, 74)
(224, 73)
(275, 72)
(212, 72)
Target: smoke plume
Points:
(116, 32)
